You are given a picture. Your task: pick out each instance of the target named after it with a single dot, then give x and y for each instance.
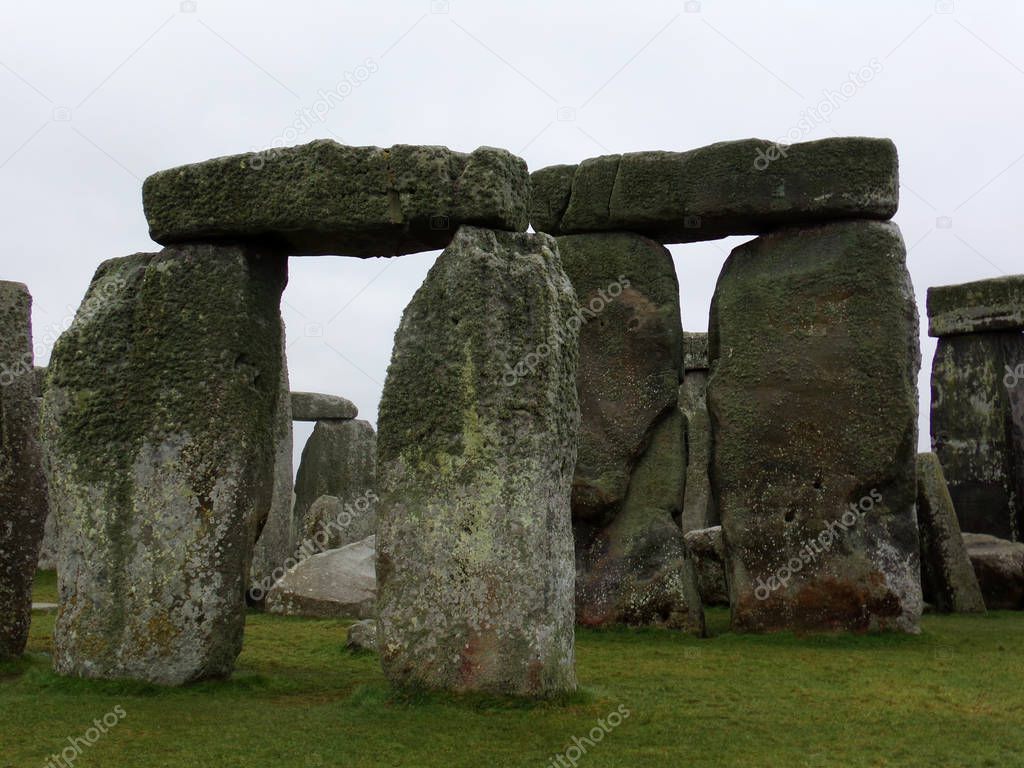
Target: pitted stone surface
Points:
(475, 550)
(728, 188)
(328, 198)
(985, 305)
(159, 424)
(23, 506)
(813, 401)
(314, 406)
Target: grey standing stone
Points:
(339, 583)
(947, 577)
(313, 406)
(48, 549)
(327, 198)
(729, 188)
(22, 490)
(813, 401)
(708, 551)
(159, 423)
(999, 565)
(698, 507)
(335, 488)
(475, 558)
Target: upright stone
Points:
(698, 511)
(947, 577)
(475, 550)
(160, 431)
(48, 549)
(813, 401)
(22, 490)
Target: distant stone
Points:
(999, 565)
(335, 488)
(362, 636)
(159, 421)
(475, 462)
(312, 406)
(698, 507)
(339, 583)
(23, 505)
(813, 398)
(695, 351)
(743, 187)
(45, 607)
(947, 577)
(328, 198)
(708, 552)
(985, 305)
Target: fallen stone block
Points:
(339, 583)
(999, 565)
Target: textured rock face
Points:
(813, 401)
(977, 429)
(947, 577)
(362, 636)
(985, 305)
(48, 549)
(708, 551)
(22, 490)
(729, 188)
(698, 510)
(324, 197)
(999, 565)
(475, 558)
(339, 583)
(159, 424)
(338, 468)
(313, 406)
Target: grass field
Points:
(953, 696)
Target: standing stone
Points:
(48, 549)
(277, 539)
(999, 565)
(698, 511)
(337, 474)
(475, 550)
(159, 424)
(813, 401)
(947, 577)
(708, 551)
(22, 490)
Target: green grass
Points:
(953, 696)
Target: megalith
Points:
(698, 511)
(708, 552)
(947, 577)
(977, 411)
(160, 430)
(475, 550)
(22, 489)
(813, 401)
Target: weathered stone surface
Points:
(362, 636)
(313, 406)
(159, 424)
(999, 565)
(629, 359)
(985, 305)
(336, 484)
(637, 569)
(695, 352)
(48, 549)
(22, 490)
(475, 561)
(698, 509)
(339, 583)
(707, 549)
(813, 401)
(324, 198)
(277, 539)
(947, 578)
(729, 188)
(977, 429)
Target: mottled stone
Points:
(985, 305)
(707, 548)
(313, 406)
(48, 549)
(813, 401)
(977, 429)
(339, 583)
(327, 198)
(947, 578)
(729, 188)
(698, 507)
(475, 561)
(22, 489)
(337, 472)
(159, 423)
(695, 351)
(999, 565)
(362, 636)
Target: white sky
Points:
(98, 95)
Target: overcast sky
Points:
(97, 95)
